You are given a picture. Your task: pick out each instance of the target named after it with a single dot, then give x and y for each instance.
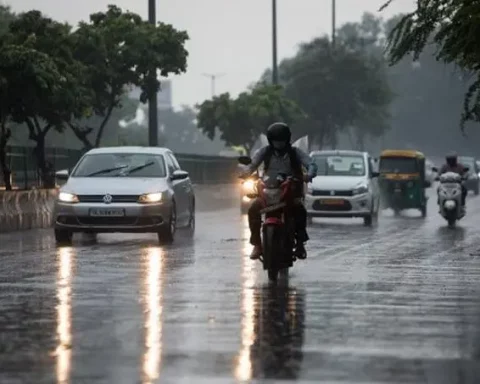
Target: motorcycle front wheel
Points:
(271, 246)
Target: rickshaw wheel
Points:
(424, 210)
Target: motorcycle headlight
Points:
(66, 197)
(360, 190)
(248, 186)
(150, 198)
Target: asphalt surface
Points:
(396, 303)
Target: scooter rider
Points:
(452, 165)
(280, 157)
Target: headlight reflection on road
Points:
(63, 352)
(243, 369)
(153, 309)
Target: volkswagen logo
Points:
(107, 199)
(332, 193)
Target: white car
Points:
(346, 186)
(125, 189)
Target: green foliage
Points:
(120, 50)
(339, 87)
(452, 25)
(241, 120)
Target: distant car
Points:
(430, 172)
(346, 186)
(125, 189)
(473, 181)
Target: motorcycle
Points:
(449, 200)
(278, 227)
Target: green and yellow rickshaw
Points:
(402, 180)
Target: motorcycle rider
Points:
(280, 157)
(452, 165)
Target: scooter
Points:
(278, 228)
(449, 200)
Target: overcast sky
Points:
(232, 37)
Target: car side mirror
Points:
(375, 174)
(434, 169)
(437, 178)
(179, 175)
(62, 175)
(245, 160)
(467, 169)
(427, 184)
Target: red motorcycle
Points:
(278, 228)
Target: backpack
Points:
(294, 160)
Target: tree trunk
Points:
(38, 134)
(45, 168)
(5, 134)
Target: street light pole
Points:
(274, 43)
(334, 22)
(213, 77)
(152, 102)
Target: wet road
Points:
(397, 303)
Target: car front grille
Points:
(115, 198)
(321, 192)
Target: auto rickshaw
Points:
(402, 180)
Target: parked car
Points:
(346, 186)
(125, 189)
(473, 182)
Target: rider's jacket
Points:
(459, 168)
(281, 163)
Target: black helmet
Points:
(278, 133)
(451, 158)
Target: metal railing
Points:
(25, 175)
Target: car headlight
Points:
(66, 197)
(248, 186)
(360, 190)
(150, 198)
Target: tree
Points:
(119, 50)
(452, 25)
(241, 120)
(61, 96)
(336, 86)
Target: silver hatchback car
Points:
(125, 189)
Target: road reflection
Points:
(279, 332)
(153, 301)
(63, 352)
(243, 368)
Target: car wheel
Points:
(63, 237)
(167, 234)
(368, 220)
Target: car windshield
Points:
(340, 165)
(121, 165)
(398, 164)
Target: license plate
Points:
(332, 202)
(107, 212)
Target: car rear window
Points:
(139, 165)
